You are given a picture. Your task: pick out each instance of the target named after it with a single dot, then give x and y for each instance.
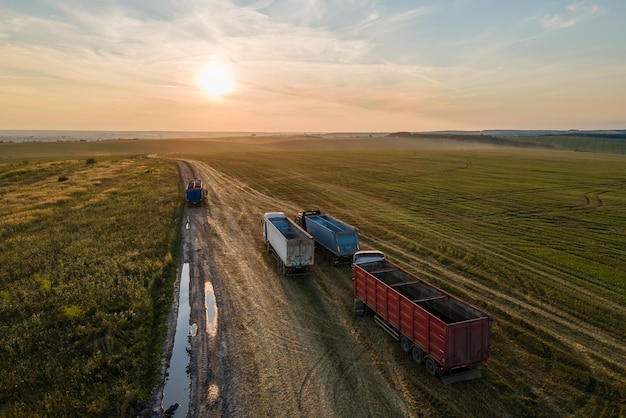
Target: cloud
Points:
(409, 15)
(574, 14)
(583, 7)
(558, 22)
(388, 21)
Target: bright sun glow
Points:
(216, 80)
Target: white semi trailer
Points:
(291, 245)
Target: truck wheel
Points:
(417, 354)
(359, 307)
(405, 344)
(431, 366)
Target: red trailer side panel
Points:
(437, 344)
(452, 332)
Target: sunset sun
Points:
(216, 80)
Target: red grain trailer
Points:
(446, 334)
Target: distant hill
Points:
(535, 132)
(466, 137)
(608, 141)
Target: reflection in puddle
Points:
(214, 393)
(177, 384)
(211, 309)
(211, 329)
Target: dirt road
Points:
(292, 346)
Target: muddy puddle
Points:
(177, 385)
(176, 390)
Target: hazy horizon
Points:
(315, 66)
(52, 135)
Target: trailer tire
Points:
(431, 366)
(360, 309)
(405, 344)
(417, 354)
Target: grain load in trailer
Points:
(292, 246)
(448, 335)
(338, 240)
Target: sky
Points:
(312, 65)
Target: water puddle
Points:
(211, 309)
(211, 329)
(176, 390)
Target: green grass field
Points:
(536, 237)
(88, 259)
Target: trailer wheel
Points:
(417, 354)
(431, 366)
(405, 344)
(359, 307)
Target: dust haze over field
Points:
(248, 143)
(359, 143)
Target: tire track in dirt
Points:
(428, 398)
(282, 351)
(256, 302)
(596, 198)
(202, 366)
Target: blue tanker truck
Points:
(338, 240)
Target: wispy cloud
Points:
(558, 22)
(369, 57)
(574, 14)
(388, 21)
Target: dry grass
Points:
(85, 284)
